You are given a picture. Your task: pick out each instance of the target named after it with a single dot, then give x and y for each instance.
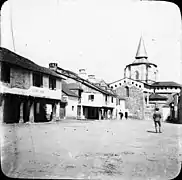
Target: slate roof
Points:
(17, 60)
(67, 91)
(74, 86)
(141, 51)
(74, 76)
(166, 84)
(155, 96)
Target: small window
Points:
(124, 81)
(140, 86)
(5, 73)
(136, 84)
(37, 80)
(120, 84)
(52, 83)
(91, 97)
(132, 82)
(115, 85)
(111, 87)
(72, 108)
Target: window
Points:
(124, 81)
(111, 87)
(52, 83)
(120, 84)
(91, 97)
(127, 91)
(112, 99)
(132, 82)
(115, 85)
(5, 73)
(72, 108)
(106, 98)
(37, 80)
(136, 84)
(140, 86)
(136, 74)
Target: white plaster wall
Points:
(69, 112)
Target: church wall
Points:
(135, 101)
(151, 73)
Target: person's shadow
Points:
(151, 131)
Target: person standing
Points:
(157, 120)
(121, 115)
(126, 115)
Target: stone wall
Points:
(135, 101)
(20, 78)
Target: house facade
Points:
(28, 92)
(96, 101)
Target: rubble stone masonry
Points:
(135, 101)
(20, 78)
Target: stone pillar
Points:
(81, 112)
(21, 120)
(2, 101)
(100, 113)
(31, 116)
(147, 98)
(54, 112)
(130, 71)
(176, 106)
(58, 111)
(146, 73)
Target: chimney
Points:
(53, 66)
(82, 73)
(91, 78)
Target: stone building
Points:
(28, 92)
(141, 89)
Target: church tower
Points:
(141, 69)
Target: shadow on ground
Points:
(151, 131)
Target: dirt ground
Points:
(115, 149)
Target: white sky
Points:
(99, 35)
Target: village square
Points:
(57, 123)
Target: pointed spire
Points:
(141, 52)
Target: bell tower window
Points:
(136, 75)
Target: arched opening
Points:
(136, 75)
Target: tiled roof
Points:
(77, 78)
(15, 59)
(166, 84)
(67, 91)
(74, 86)
(157, 97)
